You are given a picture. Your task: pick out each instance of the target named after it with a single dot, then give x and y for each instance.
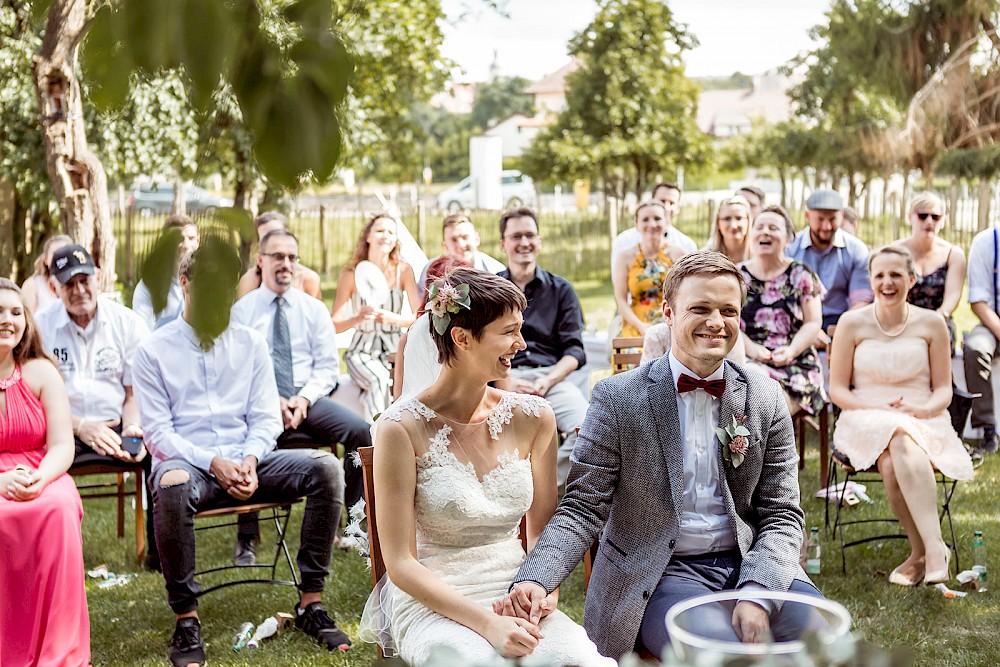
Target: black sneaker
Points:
(315, 622)
(246, 553)
(187, 645)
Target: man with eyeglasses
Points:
(839, 259)
(460, 239)
(303, 348)
(93, 340)
(552, 331)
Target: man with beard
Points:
(208, 397)
(839, 259)
(303, 347)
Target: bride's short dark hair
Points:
(490, 296)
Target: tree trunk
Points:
(783, 176)
(179, 204)
(78, 178)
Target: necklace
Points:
(901, 330)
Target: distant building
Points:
(550, 91)
(517, 133)
(457, 99)
(725, 113)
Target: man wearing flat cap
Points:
(840, 259)
(92, 340)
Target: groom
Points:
(682, 513)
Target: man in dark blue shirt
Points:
(553, 330)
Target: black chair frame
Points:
(279, 513)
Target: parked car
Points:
(154, 198)
(516, 188)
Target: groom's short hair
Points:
(701, 263)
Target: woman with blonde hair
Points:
(37, 291)
(731, 231)
(639, 271)
(377, 296)
(891, 376)
(940, 264)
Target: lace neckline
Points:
(14, 378)
(499, 416)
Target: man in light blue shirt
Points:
(310, 366)
(981, 343)
(839, 259)
(211, 407)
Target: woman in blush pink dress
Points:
(43, 605)
(891, 376)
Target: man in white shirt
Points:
(669, 194)
(304, 354)
(184, 228)
(211, 410)
(460, 239)
(729, 514)
(93, 341)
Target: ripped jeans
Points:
(282, 475)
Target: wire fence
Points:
(576, 245)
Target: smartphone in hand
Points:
(131, 444)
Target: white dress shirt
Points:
(96, 361)
(705, 523)
(315, 360)
(197, 405)
(142, 305)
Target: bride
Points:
(456, 467)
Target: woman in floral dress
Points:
(783, 312)
(640, 271)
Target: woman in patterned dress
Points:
(783, 312)
(640, 271)
(378, 326)
(940, 264)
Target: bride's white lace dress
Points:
(467, 534)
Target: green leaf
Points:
(735, 458)
(210, 36)
(106, 60)
(742, 430)
(722, 435)
(310, 13)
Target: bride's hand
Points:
(512, 637)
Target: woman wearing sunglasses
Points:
(940, 264)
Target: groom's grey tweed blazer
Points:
(627, 478)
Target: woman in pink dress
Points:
(891, 375)
(43, 605)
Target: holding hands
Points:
(21, 484)
(239, 480)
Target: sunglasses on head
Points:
(933, 216)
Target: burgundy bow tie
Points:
(688, 383)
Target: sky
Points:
(750, 36)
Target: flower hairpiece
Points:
(445, 299)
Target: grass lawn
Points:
(132, 625)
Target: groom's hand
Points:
(750, 622)
(529, 601)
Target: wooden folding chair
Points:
(821, 424)
(626, 352)
(279, 513)
(120, 493)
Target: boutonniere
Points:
(734, 440)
